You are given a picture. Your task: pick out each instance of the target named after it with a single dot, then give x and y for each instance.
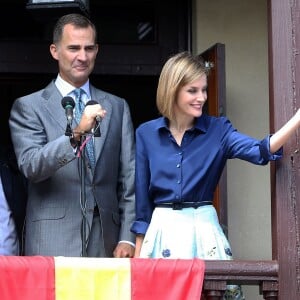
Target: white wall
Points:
(242, 26)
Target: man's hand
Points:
(123, 250)
(88, 119)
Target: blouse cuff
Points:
(139, 227)
(265, 150)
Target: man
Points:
(9, 244)
(68, 214)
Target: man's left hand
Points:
(123, 250)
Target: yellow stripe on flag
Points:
(92, 278)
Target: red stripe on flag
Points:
(166, 279)
(27, 278)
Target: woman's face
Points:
(191, 98)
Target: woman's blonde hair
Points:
(179, 70)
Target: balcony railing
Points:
(218, 274)
(244, 272)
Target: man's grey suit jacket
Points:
(46, 157)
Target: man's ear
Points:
(97, 48)
(53, 51)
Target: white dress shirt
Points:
(66, 89)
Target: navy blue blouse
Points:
(167, 172)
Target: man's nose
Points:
(82, 54)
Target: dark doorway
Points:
(129, 61)
(139, 91)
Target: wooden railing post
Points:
(240, 272)
(214, 290)
(269, 290)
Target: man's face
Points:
(76, 54)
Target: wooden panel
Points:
(284, 44)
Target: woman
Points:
(179, 160)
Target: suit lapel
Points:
(52, 104)
(100, 97)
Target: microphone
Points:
(96, 130)
(68, 104)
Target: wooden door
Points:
(215, 59)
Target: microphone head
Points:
(92, 102)
(67, 102)
(96, 131)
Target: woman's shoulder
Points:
(151, 124)
(215, 120)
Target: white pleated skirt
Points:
(187, 233)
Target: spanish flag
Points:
(69, 278)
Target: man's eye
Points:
(92, 48)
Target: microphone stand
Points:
(82, 167)
(95, 133)
(83, 195)
(68, 104)
(68, 131)
(82, 177)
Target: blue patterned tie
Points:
(78, 113)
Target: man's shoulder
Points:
(101, 94)
(38, 93)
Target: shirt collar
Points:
(66, 88)
(200, 125)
